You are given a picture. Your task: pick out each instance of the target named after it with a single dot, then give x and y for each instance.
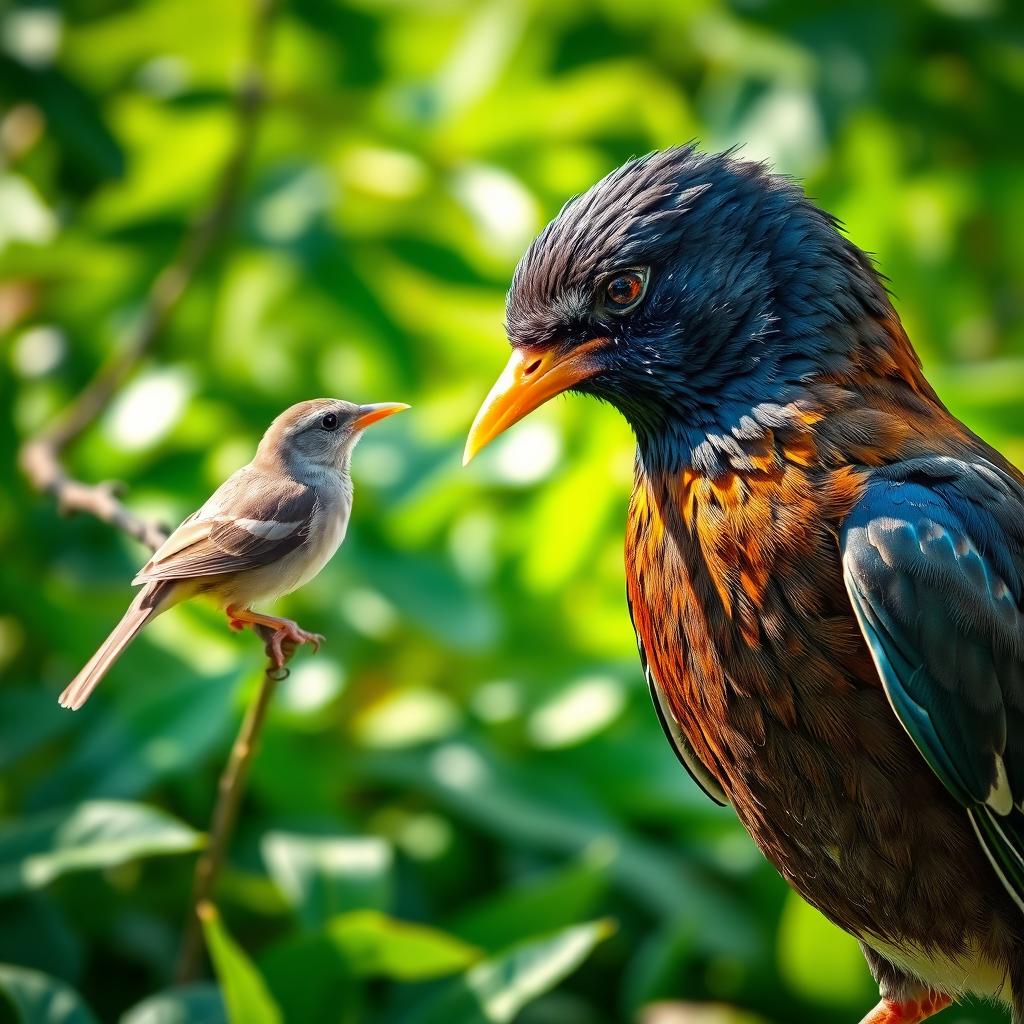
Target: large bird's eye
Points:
(329, 422)
(624, 290)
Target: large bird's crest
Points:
(629, 216)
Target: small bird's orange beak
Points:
(529, 379)
(371, 413)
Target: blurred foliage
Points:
(463, 809)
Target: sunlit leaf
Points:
(194, 1004)
(323, 875)
(35, 932)
(37, 998)
(149, 734)
(375, 944)
(28, 718)
(806, 941)
(245, 993)
(495, 990)
(96, 834)
(554, 900)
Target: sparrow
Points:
(267, 530)
(824, 567)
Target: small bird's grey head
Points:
(680, 285)
(319, 435)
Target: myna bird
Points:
(825, 568)
(267, 530)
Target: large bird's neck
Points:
(863, 402)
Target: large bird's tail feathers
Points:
(148, 602)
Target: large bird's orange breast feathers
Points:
(741, 525)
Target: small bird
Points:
(825, 569)
(267, 530)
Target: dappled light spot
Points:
(391, 173)
(497, 701)
(458, 766)
(164, 76)
(406, 717)
(505, 213)
(24, 217)
(38, 350)
(148, 408)
(311, 686)
(33, 34)
(577, 712)
(471, 542)
(380, 464)
(292, 208)
(528, 453)
(425, 836)
(369, 612)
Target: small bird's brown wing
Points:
(252, 520)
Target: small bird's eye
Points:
(624, 291)
(329, 422)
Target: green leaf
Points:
(34, 932)
(193, 1004)
(555, 900)
(39, 999)
(495, 990)
(322, 875)
(310, 979)
(375, 944)
(95, 834)
(147, 734)
(28, 718)
(529, 806)
(245, 993)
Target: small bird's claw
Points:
(291, 636)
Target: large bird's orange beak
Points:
(529, 379)
(372, 413)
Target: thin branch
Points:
(41, 456)
(229, 795)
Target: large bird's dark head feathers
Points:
(746, 281)
(704, 297)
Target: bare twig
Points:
(229, 795)
(41, 456)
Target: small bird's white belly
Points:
(326, 532)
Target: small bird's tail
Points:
(148, 602)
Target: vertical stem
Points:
(229, 796)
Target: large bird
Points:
(825, 568)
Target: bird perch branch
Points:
(41, 457)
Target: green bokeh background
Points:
(473, 750)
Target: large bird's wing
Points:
(933, 558)
(680, 744)
(253, 519)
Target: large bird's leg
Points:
(909, 1011)
(285, 631)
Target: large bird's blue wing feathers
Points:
(933, 558)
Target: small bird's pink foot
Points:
(292, 634)
(912, 1011)
(286, 633)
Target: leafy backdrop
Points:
(463, 809)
